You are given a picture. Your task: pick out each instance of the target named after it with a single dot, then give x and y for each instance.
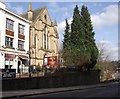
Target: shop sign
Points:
(10, 56)
(52, 61)
(7, 73)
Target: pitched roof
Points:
(35, 13)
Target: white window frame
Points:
(21, 29)
(9, 24)
(21, 44)
(8, 42)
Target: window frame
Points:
(21, 29)
(9, 24)
(10, 63)
(44, 40)
(8, 42)
(20, 44)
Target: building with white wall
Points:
(14, 40)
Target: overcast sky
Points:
(104, 16)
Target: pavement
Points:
(31, 92)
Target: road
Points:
(106, 91)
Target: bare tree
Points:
(104, 54)
(104, 63)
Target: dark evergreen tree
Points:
(76, 28)
(76, 45)
(66, 35)
(87, 24)
(89, 36)
(66, 42)
(79, 48)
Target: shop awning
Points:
(10, 56)
(23, 57)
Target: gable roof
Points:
(35, 13)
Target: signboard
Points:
(9, 56)
(52, 61)
(7, 73)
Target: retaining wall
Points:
(54, 81)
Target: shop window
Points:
(8, 63)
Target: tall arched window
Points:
(45, 38)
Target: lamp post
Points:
(44, 64)
(29, 66)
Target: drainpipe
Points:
(29, 53)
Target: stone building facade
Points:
(43, 37)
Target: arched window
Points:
(45, 38)
(48, 39)
(45, 17)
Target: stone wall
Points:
(54, 81)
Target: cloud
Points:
(16, 9)
(66, 14)
(54, 7)
(108, 17)
(109, 48)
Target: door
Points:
(19, 63)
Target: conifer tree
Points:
(79, 48)
(76, 28)
(89, 36)
(66, 35)
(66, 43)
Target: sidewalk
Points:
(22, 93)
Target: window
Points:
(45, 17)
(21, 29)
(8, 63)
(20, 44)
(35, 40)
(8, 42)
(45, 46)
(9, 24)
(47, 41)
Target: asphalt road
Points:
(106, 91)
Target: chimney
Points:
(30, 12)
